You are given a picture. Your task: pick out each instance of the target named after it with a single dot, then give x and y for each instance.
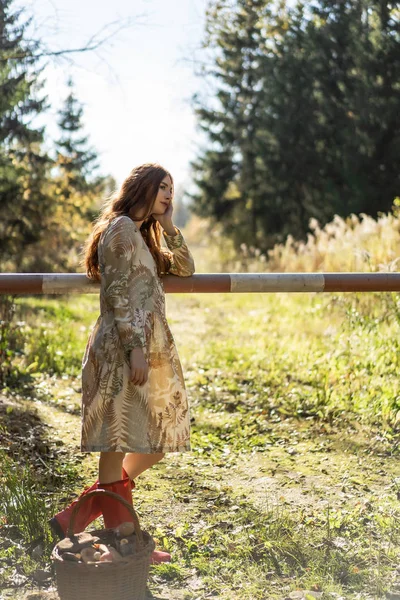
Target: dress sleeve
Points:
(182, 263)
(119, 247)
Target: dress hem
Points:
(186, 448)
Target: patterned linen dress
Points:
(116, 414)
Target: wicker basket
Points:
(122, 580)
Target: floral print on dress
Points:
(116, 414)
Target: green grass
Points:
(26, 504)
(55, 334)
(293, 479)
(326, 551)
(297, 356)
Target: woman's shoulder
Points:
(123, 222)
(119, 225)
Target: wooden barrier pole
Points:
(78, 283)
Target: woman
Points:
(134, 402)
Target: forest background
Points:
(300, 111)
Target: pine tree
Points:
(75, 159)
(23, 164)
(228, 174)
(76, 192)
(305, 119)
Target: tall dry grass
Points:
(357, 243)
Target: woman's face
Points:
(164, 196)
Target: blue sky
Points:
(136, 89)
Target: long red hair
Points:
(138, 191)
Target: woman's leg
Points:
(135, 463)
(110, 466)
(112, 479)
(110, 470)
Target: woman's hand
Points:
(139, 366)
(165, 220)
